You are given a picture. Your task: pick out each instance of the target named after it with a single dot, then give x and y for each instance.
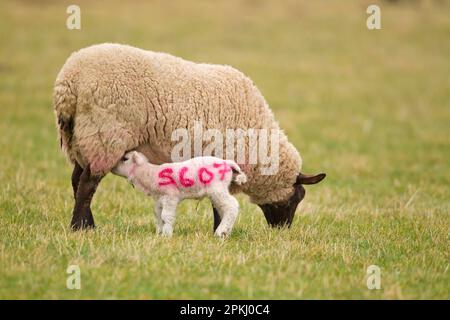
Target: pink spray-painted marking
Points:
(166, 174)
(185, 182)
(225, 168)
(201, 177)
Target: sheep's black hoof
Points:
(82, 225)
(79, 227)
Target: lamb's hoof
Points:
(222, 234)
(166, 232)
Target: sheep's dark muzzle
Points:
(281, 214)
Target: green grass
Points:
(370, 108)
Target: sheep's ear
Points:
(310, 178)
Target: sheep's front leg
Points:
(158, 212)
(228, 209)
(168, 213)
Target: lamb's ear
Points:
(309, 178)
(135, 157)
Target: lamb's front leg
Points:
(168, 213)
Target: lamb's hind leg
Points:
(158, 212)
(168, 214)
(82, 216)
(228, 208)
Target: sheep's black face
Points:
(280, 214)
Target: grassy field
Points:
(370, 108)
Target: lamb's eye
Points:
(124, 158)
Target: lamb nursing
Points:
(196, 178)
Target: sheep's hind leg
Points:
(82, 216)
(228, 209)
(76, 174)
(168, 213)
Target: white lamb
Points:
(195, 178)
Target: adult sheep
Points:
(112, 98)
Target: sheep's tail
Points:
(64, 103)
(239, 176)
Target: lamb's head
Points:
(128, 164)
(282, 213)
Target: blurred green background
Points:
(369, 107)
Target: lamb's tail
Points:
(64, 103)
(239, 176)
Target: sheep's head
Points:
(279, 214)
(128, 164)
